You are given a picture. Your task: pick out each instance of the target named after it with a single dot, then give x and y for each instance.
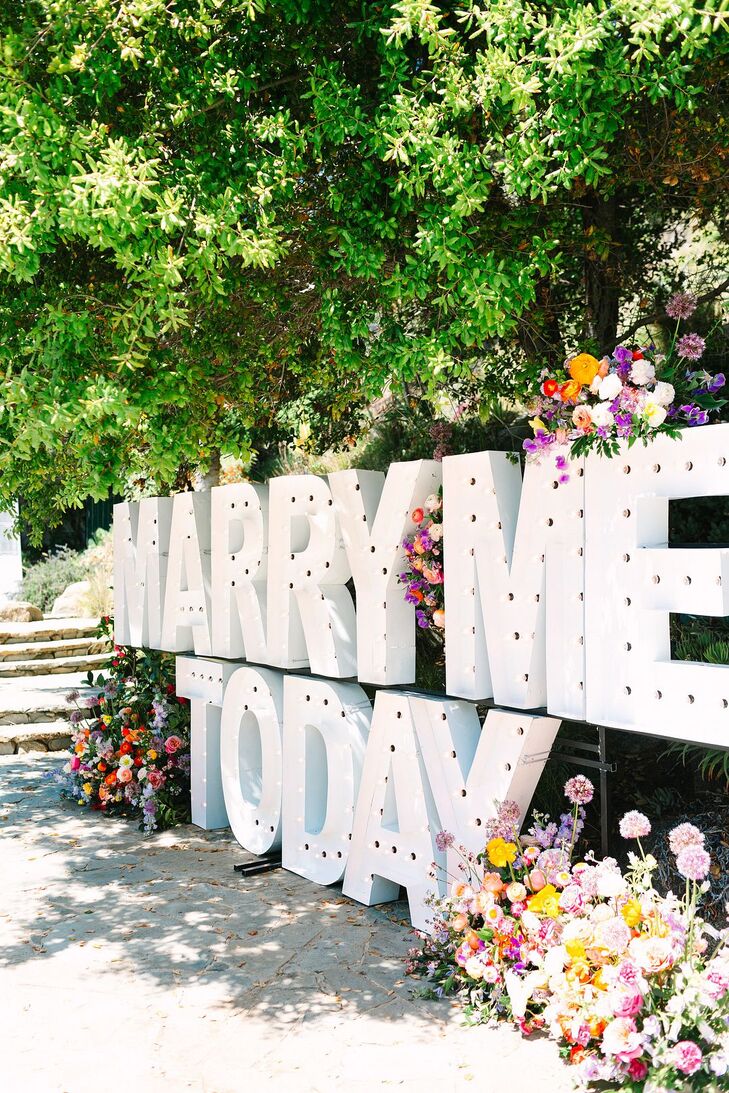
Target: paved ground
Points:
(39, 692)
(148, 965)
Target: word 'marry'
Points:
(557, 595)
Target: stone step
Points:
(54, 650)
(41, 737)
(23, 633)
(13, 669)
(36, 699)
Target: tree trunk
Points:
(602, 268)
(210, 478)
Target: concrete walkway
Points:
(148, 965)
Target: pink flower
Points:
(684, 835)
(75, 762)
(687, 1056)
(172, 744)
(124, 775)
(634, 825)
(622, 1039)
(579, 790)
(693, 862)
(691, 347)
(637, 1070)
(572, 899)
(627, 1003)
(681, 306)
(156, 779)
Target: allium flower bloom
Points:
(634, 825)
(443, 840)
(691, 347)
(681, 306)
(684, 835)
(687, 1056)
(579, 790)
(693, 862)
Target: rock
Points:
(71, 604)
(31, 745)
(19, 611)
(7, 747)
(60, 743)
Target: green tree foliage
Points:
(221, 217)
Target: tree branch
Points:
(705, 299)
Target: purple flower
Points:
(443, 840)
(681, 306)
(693, 862)
(691, 347)
(422, 620)
(622, 355)
(75, 717)
(718, 381)
(560, 462)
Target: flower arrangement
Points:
(632, 984)
(423, 577)
(130, 746)
(629, 395)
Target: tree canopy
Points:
(223, 219)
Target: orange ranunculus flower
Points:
(125, 748)
(570, 390)
(583, 368)
(110, 778)
(101, 765)
(459, 923)
(473, 940)
(492, 883)
(580, 969)
(550, 388)
(596, 1026)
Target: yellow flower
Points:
(106, 718)
(87, 787)
(500, 853)
(631, 912)
(546, 902)
(152, 754)
(583, 368)
(575, 948)
(538, 425)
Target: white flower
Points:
(664, 394)
(141, 774)
(474, 967)
(642, 372)
(610, 884)
(125, 762)
(601, 416)
(654, 413)
(610, 387)
(435, 531)
(432, 502)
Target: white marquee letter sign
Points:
(251, 757)
(634, 581)
(141, 543)
(514, 582)
(374, 513)
(558, 597)
(326, 726)
(186, 625)
(239, 517)
(310, 611)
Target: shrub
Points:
(46, 580)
